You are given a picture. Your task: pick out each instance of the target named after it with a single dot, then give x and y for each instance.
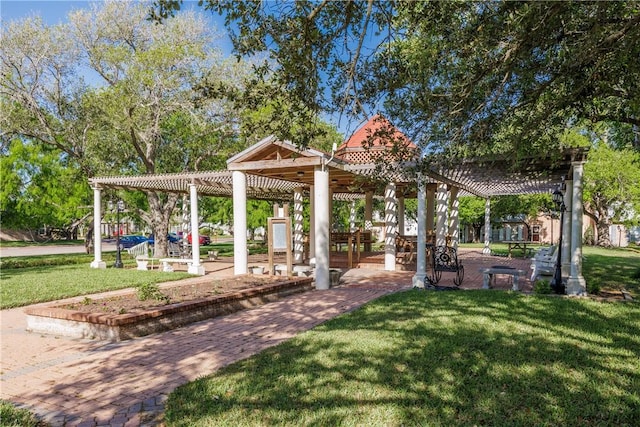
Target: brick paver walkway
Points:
(70, 382)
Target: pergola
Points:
(280, 171)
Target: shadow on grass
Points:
(437, 358)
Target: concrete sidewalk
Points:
(90, 383)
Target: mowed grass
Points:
(437, 359)
(24, 286)
(615, 268)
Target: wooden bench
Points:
(167, 263)
(488, 273)
(143, 262)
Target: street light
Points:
(558, 199)
(119, 207)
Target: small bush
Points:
(149, 291)
(11, 416)
(542, 287)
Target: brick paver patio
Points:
(71, 382)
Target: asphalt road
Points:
(50, 250)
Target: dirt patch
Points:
(131, 303)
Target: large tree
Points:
(481, 77)
(611, 183)
(118, 93)
(42, 187)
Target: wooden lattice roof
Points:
(275, 168)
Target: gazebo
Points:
(279, 170)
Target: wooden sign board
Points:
(279, 233)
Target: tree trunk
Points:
(160, 213)
(604, 238)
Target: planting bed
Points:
(125, 316)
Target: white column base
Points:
(576, 286)
(98, 264)
(196, 269)
(418, 280)
(486, 250)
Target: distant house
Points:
(544, 229)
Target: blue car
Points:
(171, 237)
(130, 241)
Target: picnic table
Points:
(518, 244)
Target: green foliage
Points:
(41, 186)
(611, 183)
(24, 286)
(14, 417)
(469, 77)
(151, 290)
(47, 260)
(436, 358)
(143, 112)
(530, 205)
(542, 287)
(589, 236)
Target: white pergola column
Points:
(576, 285)
(454, 219)
(312, 225)
(566, 229)
(441, 215)
(487, 227)
(390, 221)
(298, 235)
(97, 232)
(421, 263)
(368, 210)
(352, 216)
(401, 215)
(322, 223)
(240, 256)
(195, 267)
(431, 208)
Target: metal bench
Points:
(489, 273)
(445, 258)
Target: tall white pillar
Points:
(431, 208)
(390, 218)
(240, 256)
(487, 227)
(321, 208)
(298, 234)
(312, 225)
(566, 229)
(401, 229)
(97, 230)
(352, 216)
(368, 210)
(195, 267)
(454, 219)
(441, 215)
(576, 285)
(421, 263)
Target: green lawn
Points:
(437, 359)
(24, 286)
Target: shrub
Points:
(149, 291)
(542, 287)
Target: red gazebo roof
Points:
(377, 135)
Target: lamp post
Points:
(119, 207)
(556, 283)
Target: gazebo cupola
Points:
(377, 140)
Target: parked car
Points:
(171, 237)
(204, 240)
(131, 240)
